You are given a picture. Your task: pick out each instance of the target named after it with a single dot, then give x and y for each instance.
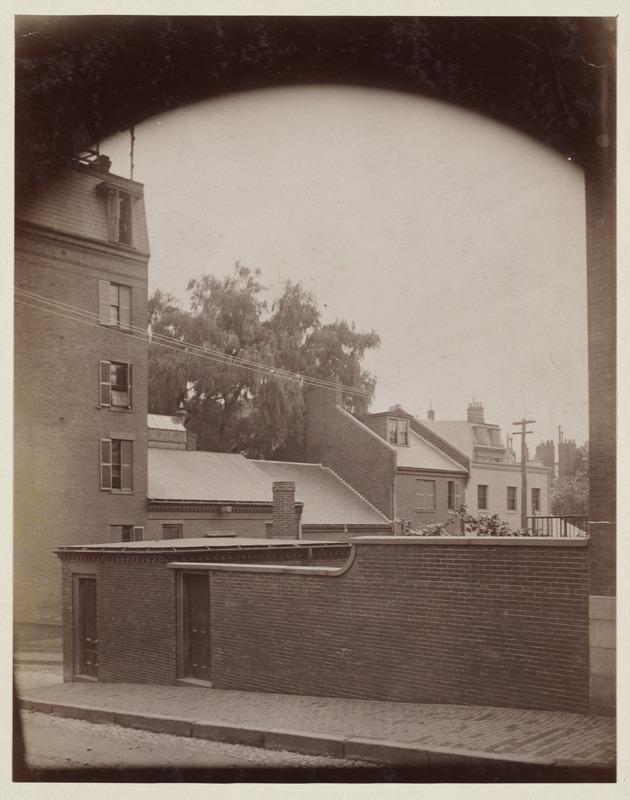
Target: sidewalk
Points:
(401, 734)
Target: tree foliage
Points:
(234, 408)
(570, 493)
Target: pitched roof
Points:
(458, 432)
(422, 455)
(230, 478)
(198, 475)
(327, 499)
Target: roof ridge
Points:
(416, 421)
(352, 489)
(292, 463)
(439, 449)
(365, 428)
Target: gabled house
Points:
(494, 485)
(80, 469)
(410, 474)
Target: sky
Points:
(460, 241)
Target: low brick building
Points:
(407, 472)
(465, 620)
(194, 494)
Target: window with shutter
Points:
(106, 463)
(425, 495)
(117, 464)
(105, 383)
(114, 305)
(454, 495)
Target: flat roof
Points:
(179, 545)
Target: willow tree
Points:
(224, 356)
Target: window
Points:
(535, 501)
(117, 464)
(511, 498)
(398, 431)
(114, 305)
(127, 533)
(119, 216)
(425, 495)
(482, 497)
(115, 384)
(454, 495)
(172, 531)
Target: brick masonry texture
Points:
(356, 455)
(284, 521)
(136, 606)
(601, 280)
(484, 625)
(61, 253)
(471, 624)
(407, 497)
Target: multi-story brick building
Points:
(407, 472)
(80, 375)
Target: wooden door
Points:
(87, 631)
(197, 626)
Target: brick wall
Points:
(490, 624)
(601, 236)
(337, 440)
(407, 497)
(466, 621)
(58, 419)
(136, 611)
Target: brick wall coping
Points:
(183, 565)
(275, 568)
(501, 541)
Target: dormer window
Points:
(119, 205)
(398, 431)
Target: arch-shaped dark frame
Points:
(80, 79)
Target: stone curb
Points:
(379, 751)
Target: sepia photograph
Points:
(314, 398)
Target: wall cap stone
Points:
(447, 541)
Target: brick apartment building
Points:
(406, 472)
(80, 375)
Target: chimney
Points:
(431, 414)
(285, 521)
(191, 441)
(475, 412)
(320, 409)
(102, 163)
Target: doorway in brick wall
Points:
(86, 627)
(196, 627)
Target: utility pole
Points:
(523, 423)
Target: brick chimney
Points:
(320, 405)
(285, 519)
(475, 412)
(431, 414)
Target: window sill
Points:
(425, 510)
(119, 491)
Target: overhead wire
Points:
(67, 311)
